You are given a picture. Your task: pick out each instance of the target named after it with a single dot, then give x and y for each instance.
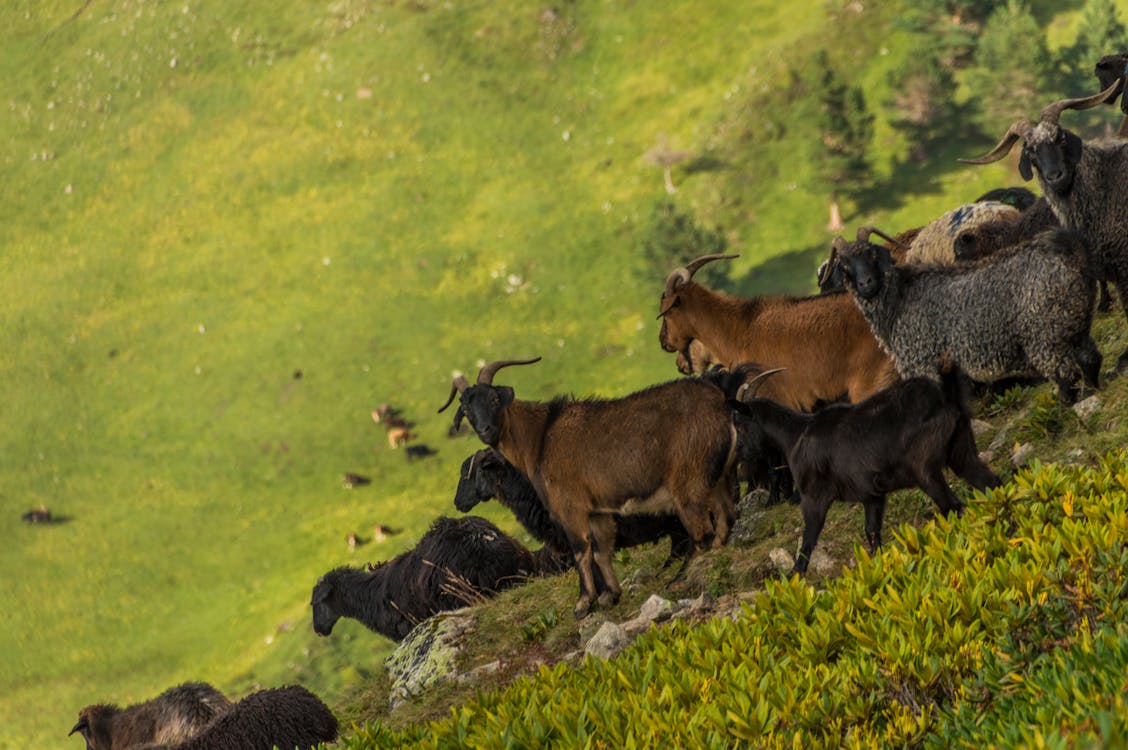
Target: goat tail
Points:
(953, 386)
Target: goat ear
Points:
(1073, 147)
(505, 393)
(1024, 167)
(320, 592)
(738, 406)
(884, 260)
(666, 307)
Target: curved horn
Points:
(679, 277)
(865, 232)
(81, 725)
(1053, 111)
(1020, 129)
(748, 390)
(486, 374)
(457, 386)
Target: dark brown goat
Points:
(286, 717)
(823, 341)
(898, 438)
(669, 448)
(487, 475)
(175, 715)
(1112, 69)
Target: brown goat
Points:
(823, 341)
(398, 436)
(173, 716)
(668, 448)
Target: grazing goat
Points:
(456, 563)
(901, 437)
(1086, 185)
(1022, 311)
(173, 716)
(1112, 70)
(487, 475)
(38, 515)
(286, 717)
(668, 448)
(398, 436)
(824, 341)
(420, 450)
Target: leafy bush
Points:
(1003, 628)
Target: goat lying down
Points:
(901, 437)
(173, 716)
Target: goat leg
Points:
(875, 514)
(583, 553)
(814, 516)
(603, 534)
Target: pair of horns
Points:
(679, 277)
(485, 377)
(1022, 128)
(748, 391)
(837, 245)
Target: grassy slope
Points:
(202, 200)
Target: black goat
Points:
(175, 715)
(901, 437)
(455, 563)
(487, 475)
(286, 717)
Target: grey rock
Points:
(608, 641)
(1021, 455)
(781, 558)
(1088, 407)
(427, 656)
(979, 427)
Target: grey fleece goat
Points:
(286, 717)
(1025, 310)
(1086, 185)
(176, 714)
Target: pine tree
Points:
(846, 129)
(1011, 77)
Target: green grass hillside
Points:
(228, 231)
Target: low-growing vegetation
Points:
(1003, 628)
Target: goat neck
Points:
(782, 426)
(521, 438)
(717, 320)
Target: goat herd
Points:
(847, 395)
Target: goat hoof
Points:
(582, 609)
(608, 598)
